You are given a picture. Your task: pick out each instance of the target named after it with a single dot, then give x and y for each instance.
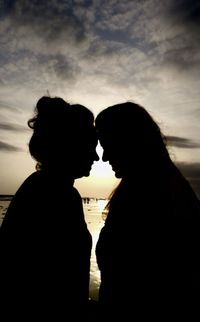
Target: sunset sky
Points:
(99, 53)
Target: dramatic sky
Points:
(99, 53)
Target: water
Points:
(93, 209)
(93, 216)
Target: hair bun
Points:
(43, 103)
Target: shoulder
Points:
(21, 203)
(27, 185)
(27, 194)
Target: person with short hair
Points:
(45, 243)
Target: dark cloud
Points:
(187, 10)
(64, 67)
(12, 127)
(48, 19)
(6, 106)
(183, 58)
(6, 7)
(192, 172)
(180, 142)
(8, 147)
(183, 21)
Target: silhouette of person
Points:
(149, 246)
(45, 243)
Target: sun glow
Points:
(101, 180)
(100, 168)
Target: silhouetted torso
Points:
(149, 246)
(45, 249)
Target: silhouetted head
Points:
(130, 138)
(64, 137)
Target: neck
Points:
(58, 177)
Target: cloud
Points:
(8, 147)
(192, 172)
(64, 67)
(188, 11)
(180, 142)
(5, 105)
(49, 21)
(131, 48)
(99, 53)
(12, 127)
(56, 39)
(181, 34)
(42, 42)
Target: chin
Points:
(85, 173)
(118, 175)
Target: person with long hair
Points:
(148, 249)
(44, 239)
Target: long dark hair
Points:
(132, 124)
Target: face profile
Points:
(111, 144)
(130, 138)
(86, 153)
(111, 154)
(117, 137)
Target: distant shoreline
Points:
(85, 199)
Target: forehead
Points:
(88, 129)
(88, 134)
